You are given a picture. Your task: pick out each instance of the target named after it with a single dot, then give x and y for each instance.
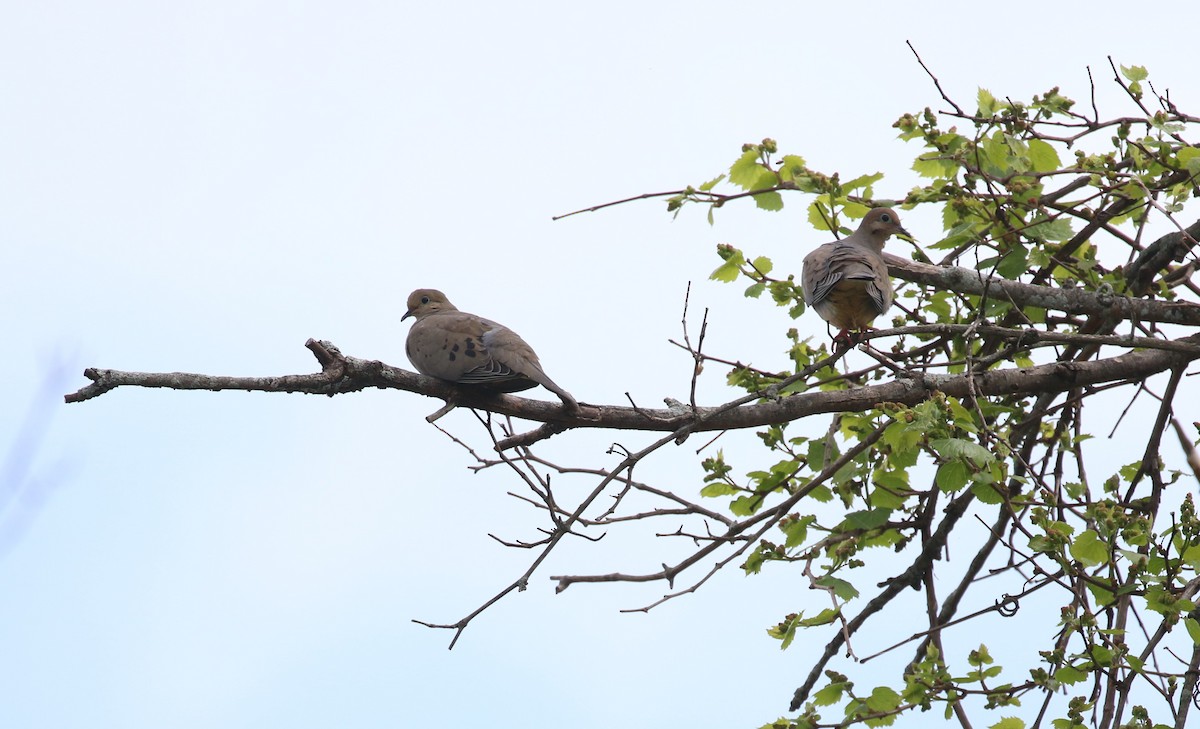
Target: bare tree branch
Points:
(343, 374)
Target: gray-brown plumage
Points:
(847, 281)
(459, 347)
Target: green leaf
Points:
(748, 173)
(891, 490)
(732, 267)
(841, 588)
(862, 181)
(900, 437)
(792, 166)
(762, 264)
(1189, 159)
(819, 216)
(963, 418)
(869, 519)
(1054, 230)
(745, 505)
(1069, 675)
(1103, 596)
(1135, 73)
(987, 102)
(883, 699)
(829, 695)
(959, 234)
(1043, 156)
(772, 201)
(1089, 549)
(986, 492)
(939, 305)
(1191, 556)
(854, 210)
(1009, 722)
(1014, 263)
(980, 656)
(821, 494)
(1101, 655)
(825, 617)
(1160, 122)
(934, 165)
(952, 476)
(997, 154)
(1193, 629)
(712, 183)
(719, 488)
(960, 448)
(754, 562)
(1130, 471)
(785, 631)
(797, 531)
(727, 271)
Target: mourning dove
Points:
(847, 281)
(459, 347)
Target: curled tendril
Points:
(1008, 606)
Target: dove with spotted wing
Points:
(467, 349)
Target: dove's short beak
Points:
(406, 315)
(900, 229)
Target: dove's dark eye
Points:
(424, 299)
(885, 218)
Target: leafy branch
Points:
(1065, 257)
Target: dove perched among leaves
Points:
(463, 348)
(847, 281)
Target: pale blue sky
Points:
(204, 186)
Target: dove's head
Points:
(423, 302)
(880, 224)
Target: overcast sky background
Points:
(204, 186)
